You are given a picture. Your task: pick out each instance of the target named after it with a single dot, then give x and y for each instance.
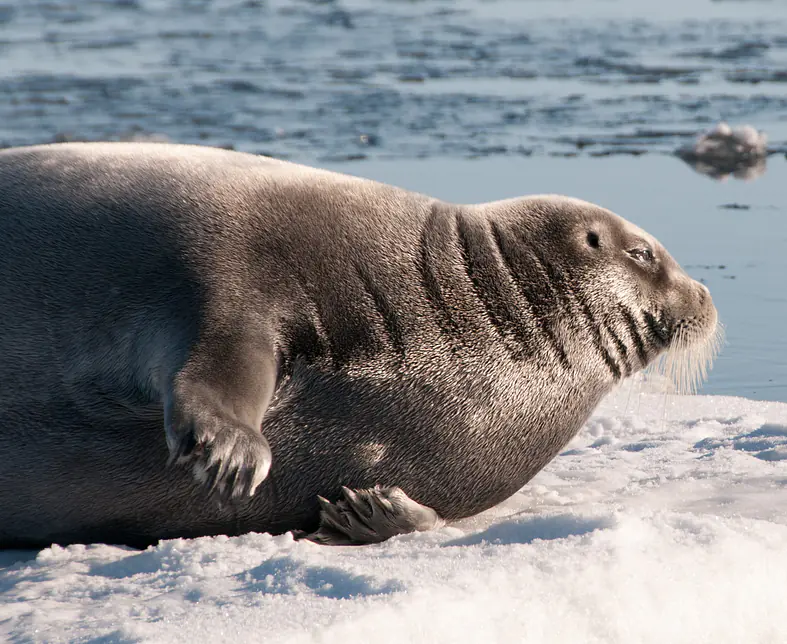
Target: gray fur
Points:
(161, 303)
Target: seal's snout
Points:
(694, 317)
(687, 308)
(695, 335)
(706, 318)
(706, 302)
(702, 292)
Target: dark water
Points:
(326, 80)
(470, 100)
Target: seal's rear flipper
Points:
(370, 516)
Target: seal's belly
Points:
(451, 452)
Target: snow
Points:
(665, 520)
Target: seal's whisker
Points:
(687, 362)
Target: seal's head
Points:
(634, 301)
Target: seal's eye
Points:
(593, 240)
(642, 255)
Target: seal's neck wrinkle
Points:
(473, 264)
(636, 338)
(597, 324)
(535, 293)
(551, 290)
(493, 287)
(434, 266)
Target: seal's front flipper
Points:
(213, 413)
(370, 516)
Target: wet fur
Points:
(161, 303)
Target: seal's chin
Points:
(689, 351)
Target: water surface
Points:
(324, 80)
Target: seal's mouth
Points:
(659, 328)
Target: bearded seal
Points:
(322, 353)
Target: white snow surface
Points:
(665, 520)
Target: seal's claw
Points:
(370, 516)
(230, 460)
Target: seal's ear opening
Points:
(593, 239)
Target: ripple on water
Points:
(323, 79)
